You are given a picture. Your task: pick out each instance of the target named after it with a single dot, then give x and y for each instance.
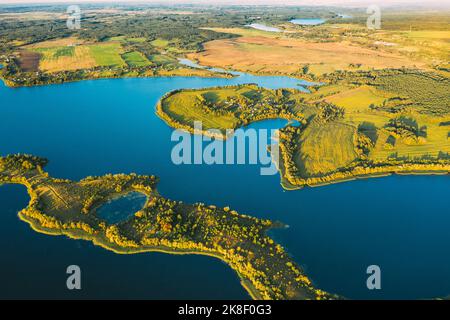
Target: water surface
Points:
(308, 21)
(96, 127)
(121, 208)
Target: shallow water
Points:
(308, 21)
(109, 126)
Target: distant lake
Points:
(96, 127)
(263, 27)
(308, 21)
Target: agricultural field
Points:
(267, 53)
(358, 99)
(29, 61)
(162, 59)
(160, 43)
(325, 148)
(136, 59)
(107, 54)
(65, 58)
(72, 54)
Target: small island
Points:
(359, 124)
(64, 207)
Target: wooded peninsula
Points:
(64, 207)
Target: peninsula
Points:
(64, 207)
(360, 124)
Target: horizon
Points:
(342, 3)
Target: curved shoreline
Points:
(359, 171)
(251, 290)
(171, 122)
(107, 245)
(289, 181)
(10, 84)
(265, 270)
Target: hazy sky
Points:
(243, 2)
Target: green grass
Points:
(323, 148)
(160, 43)
(162, 59)
(136, 59)
(56, 52)
(107, 54)
(137, 40)
(181, 107)
(358, 99)
(64, 52)
(118, 38)
(125, 39)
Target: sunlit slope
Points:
(324, 148)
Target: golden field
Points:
(272, 53)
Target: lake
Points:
(109, 126)
(308, 21)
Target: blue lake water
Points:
(96, 127)
(122, 208)
(308, 21)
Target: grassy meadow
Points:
(68, 55)
(136, 59)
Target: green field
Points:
(125, 39)
(323, 148)
(52, 54)
(107, 54)
(136, 59)
(161, 43)
(161, 59)
(186, 108)
(359, 98)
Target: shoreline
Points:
(273, 276)
(407, 170)
(102, 243)
(176, 125)
(8, 83)
(208, 72)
